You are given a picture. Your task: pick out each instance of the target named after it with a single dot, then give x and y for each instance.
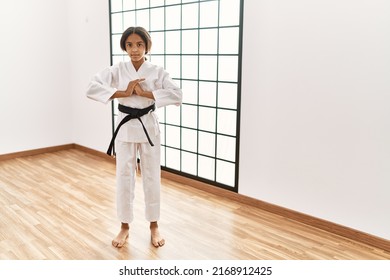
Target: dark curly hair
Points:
(139, 31)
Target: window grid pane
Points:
(199, 44)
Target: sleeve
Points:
(169, 93)
(101, 86)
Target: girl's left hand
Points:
(138, 90)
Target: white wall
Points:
(50, 49)
(35, 106)
(315, 130)
(89, 53)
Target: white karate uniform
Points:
(131, 138)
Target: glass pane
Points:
(190, 92)
(143, 18)
(208, 41)
(188, 164)
(116, 5)
(197, 42)
(128, 19)
(227, 122)
(190, 16)
(228, 40)
(225, 173)
(190, 42)
(173, 115)
(157, 19)
(141, 4)
(156, 3)
(116, 48)
(158, 60)
(172, 42)
(157, 42)
(229, 12)
(207, 93)
(226, 147)
(209, 14)
(208, 68)
(162, 156)
(161, 114)
(206, 144)
(206, 167)
(227, 95)
(128, 4)
(189, 140)
(172, 65)
(207, 119)
(172, 136)
(190, 67)
(172, 17)
(228, 68)
(118, 58)
(172, 158)
(189, 116)
(117, 23)
(171, 2)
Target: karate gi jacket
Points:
(117, 77)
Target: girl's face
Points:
(135, 48)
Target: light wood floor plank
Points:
(61, 206)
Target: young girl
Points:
(140, 87)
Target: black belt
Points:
(132, 113)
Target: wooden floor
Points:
(61, 206)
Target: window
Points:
(199, 44)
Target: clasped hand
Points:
(134, 87)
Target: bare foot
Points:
(157, 241)
(120, 240)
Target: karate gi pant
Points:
(126, 162)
